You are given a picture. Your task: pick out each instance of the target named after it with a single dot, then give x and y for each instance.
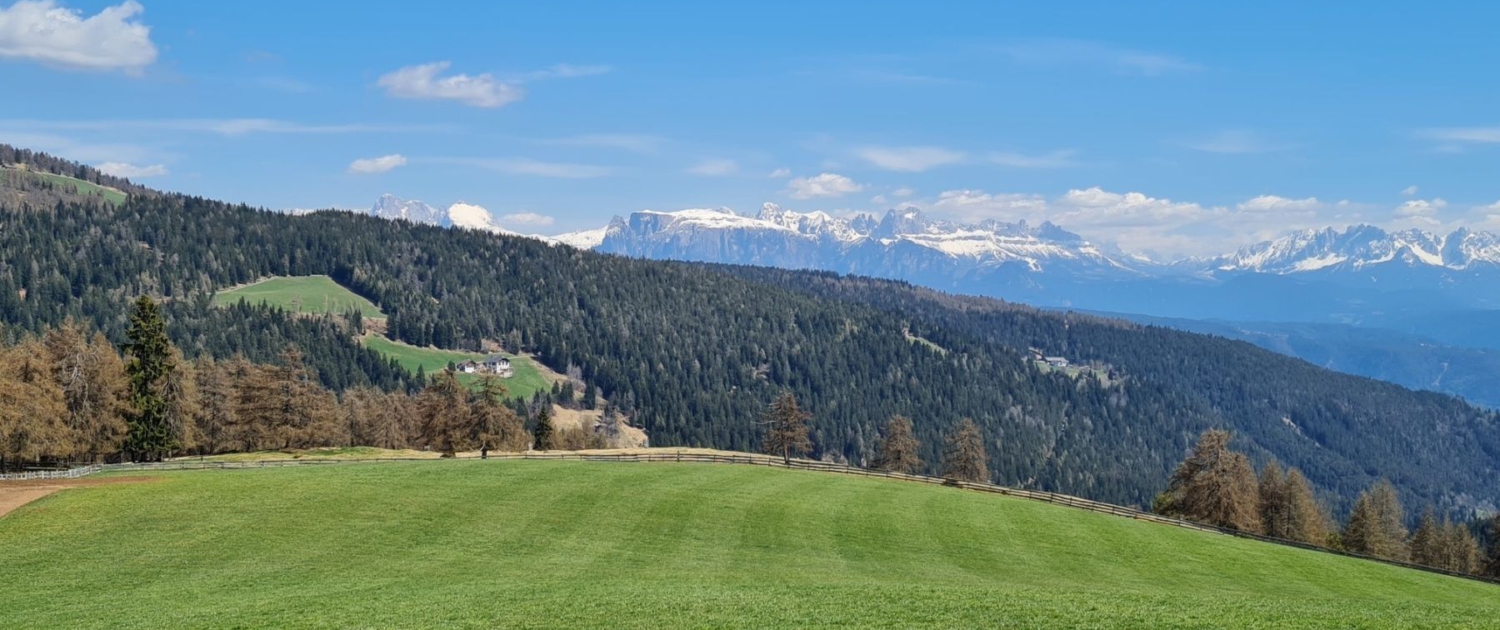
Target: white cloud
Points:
(780, 173)
(1421, 207)
(470, 216)
(1075, 52)
(977, 205)
(42, 31)
(422, 82)
(824, 185)
(903, 191)
(131, 171)
(1055, 159)
(909, 159)
(1409, 190)
(1273, 203)
(878, 199)
(382, 164)
(527, 166)
(714, 168)
(1233, 141)
(527, 219)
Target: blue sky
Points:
(1176, 128)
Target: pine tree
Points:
(590, 397)
(444, 415)
(32, 407)
(542, 435)
(965, 457)
(92, 378)
(1288, 509)
(1307, 520)
(216, 410)
(149, 366)
(1427, 541)
(785, 429)
(897, 451)
(1214, 485)
(180, 391)
(1274, 507)
(1375, 526)
(1460, 552)
(493, 425)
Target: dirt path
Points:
(14, 494)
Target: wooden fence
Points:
(71, 473)
(774, 462)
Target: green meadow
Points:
(546, 544)
(528, 377)
(302, 294)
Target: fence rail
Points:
(756, 460)
(71, 473)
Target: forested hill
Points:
(1278, 406)
(39, 180)
(696, 352)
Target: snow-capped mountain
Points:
(1363, 248)
(586, 239)
(459, 214)
(903, 244)
(392, 207)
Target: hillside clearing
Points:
(530, 377)
(114, 196)
(575, 544)
(315, 295)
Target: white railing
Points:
(71, 473)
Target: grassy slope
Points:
(568, 544)
(306, 294)
(111, 195)
(527, 380)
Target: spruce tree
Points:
(147, 369)
(543, 438)
(965, 458)
(897, 451)
(785, 428)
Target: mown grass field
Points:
(303, 294)
(535, 544)
(528, 377)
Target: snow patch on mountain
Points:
(586, 239)
(1363, 247)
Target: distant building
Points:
(496, 364)
(1057, 361)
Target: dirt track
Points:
(14, 494)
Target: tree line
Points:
(1217, 485)
(1214, 485)
(70, 395)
